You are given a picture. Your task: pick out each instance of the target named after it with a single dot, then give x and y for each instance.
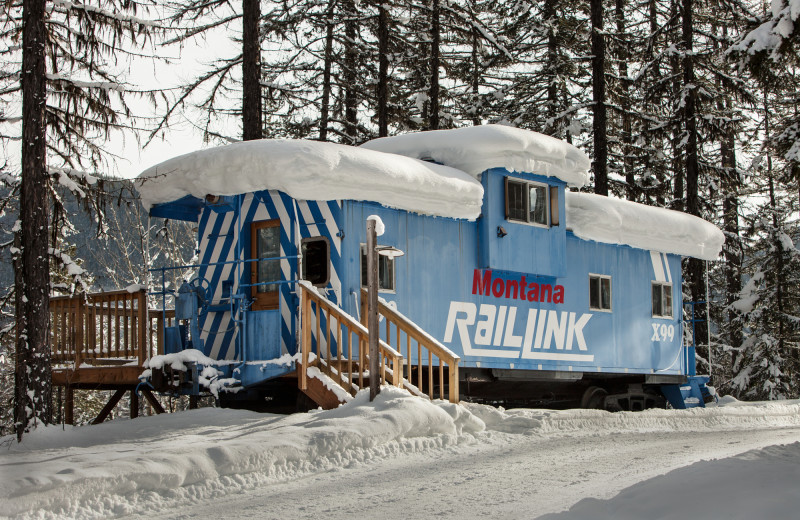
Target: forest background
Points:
(685, 104)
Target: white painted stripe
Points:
(588, 358)
(286, 266)
(283, 215)
(658, 268)
(330, 223)
(666, 267)
(308, 218)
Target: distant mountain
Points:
(113, 259)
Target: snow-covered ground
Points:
(404, 457)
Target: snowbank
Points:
(475, 149)
(313, 170)
(617, 221)
(152, 463)
(105, 469)
(755, 484)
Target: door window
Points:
(266, 244)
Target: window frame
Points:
(551, 217)
(661, 285)
(261, 300)
(362, 266)
(602, 277)
(327, 242)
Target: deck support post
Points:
(69, 405)
(134, 404)
(193, 402)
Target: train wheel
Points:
(594, 398)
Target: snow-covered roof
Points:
(314, 170)
(475, 149)
(617, 221)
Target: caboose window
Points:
(599, 292)
(316, 260)
(385, 271)
(265, 240)
(662, 300)
(531, 202)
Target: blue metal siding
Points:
(219, 238)
(435, 285)
(435, 278)
(526, 248)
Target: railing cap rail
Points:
(99, 295)
(415, 330)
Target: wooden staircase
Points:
(339, 342)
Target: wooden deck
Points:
(100, 342)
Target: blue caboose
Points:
(548, 296)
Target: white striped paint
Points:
(658, 267)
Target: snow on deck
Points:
(475, 149)
(617, 221)
(312, 170)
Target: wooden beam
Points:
(153, 401)
(101, 375)
(109, 406)
(134, 404)
(69, 405)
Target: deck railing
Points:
(105, 328)
(333, 329)
(409, 335)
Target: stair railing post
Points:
(372, 310)
(305, 331)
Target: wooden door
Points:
(265, 242)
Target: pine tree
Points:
(71, 98)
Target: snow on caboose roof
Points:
(617, 221)
(314, 170)
(475, 149)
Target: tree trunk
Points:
(33, 390)
(777, 250)
(350, 64)
(599, 99)
(476, 76)
(549, 13)
(251, 71)
(624, 102)
(433, 122)
(678, 195)
(696, 266)
(383, 71)
(326, 74)
(689, 112)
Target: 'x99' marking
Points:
(663, 332)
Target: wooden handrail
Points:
(348, 367)
(101, 326)
(425, 342)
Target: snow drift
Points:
(312, 170)
(617, 221)
(149, 464)
(475, 149)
